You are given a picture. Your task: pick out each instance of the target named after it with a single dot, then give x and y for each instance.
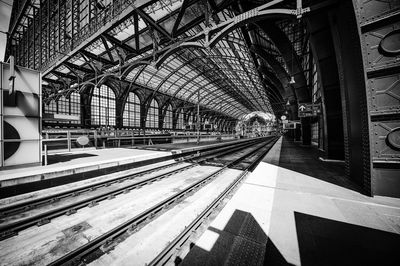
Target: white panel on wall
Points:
(21, 125)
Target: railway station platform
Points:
(82, 164)
(295, 209)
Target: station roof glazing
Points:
(225, 76)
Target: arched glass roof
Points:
(127, 33)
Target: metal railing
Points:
(65, 140)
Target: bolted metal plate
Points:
(381, 36)
(390, 44)
(393, 138)
(374, 9)
(385, 94)
(383, 130)
(376, 58)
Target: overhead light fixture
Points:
(292, 81)
(288, 102)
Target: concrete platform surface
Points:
(63, 164)
(85, 160)
(284, 217)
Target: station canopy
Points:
(225, 75)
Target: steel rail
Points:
(27, 205)
(24, 206)
(12, 229)
(76, 256)
(184, 236)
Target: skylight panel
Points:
(162, 8)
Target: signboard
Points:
(290, 125)
(309, 109)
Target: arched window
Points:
(75, 105)
(51, 108)
(103, 106)
(131, 116)
(66, 106)
(152, 115)
(168, 118)
(180, 121)
(189, 118)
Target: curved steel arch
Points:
(132, 66)
(178, 90)
(188, 81)
(273, 91)
(224, 104)
(180, 46)
(216, 89)
(187, 63)
(85, 85)
(251, 16)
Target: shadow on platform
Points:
(305, 160)
(242, 242)
(327, 242)
(321, 241)
(58, 158)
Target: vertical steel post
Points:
(69, 140)
(198, 116)
(45, 154)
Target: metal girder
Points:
(153, 24)
(182, 10)
(290, 56)
(119, 44)
(80, 68)
(63, 75)
(281, 78)
(97, 58)
(107, 48)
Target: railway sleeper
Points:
(70, 212)
(52, 200)
(132, 228)
(43, 221)
(110, 196)
(93, 203)
(8, 234)
(107, 243)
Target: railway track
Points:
(11, 228)
(85, 252)
(169, 252)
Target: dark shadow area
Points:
(242, 242)
(305, 160)
(58, 158)
(328, 242)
